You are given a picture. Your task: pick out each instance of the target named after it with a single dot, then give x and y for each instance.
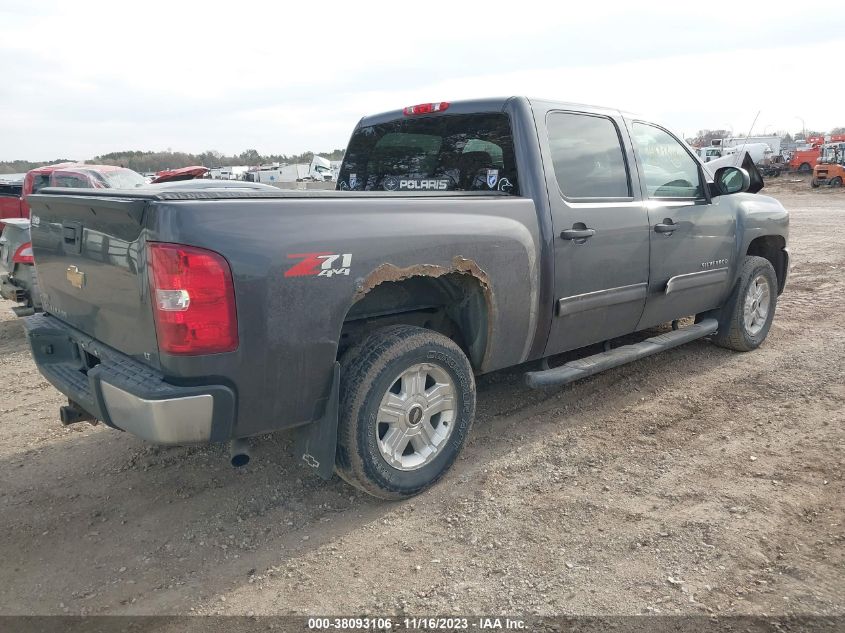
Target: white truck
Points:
(772, 140)
(759, 152)
(318, 170)
(708, 153)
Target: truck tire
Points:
(836, 182)
(407, 402)
(745, 320)
(805, 168)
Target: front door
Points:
(692, 236)
(601, 229)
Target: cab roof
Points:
(76, 167)
(490, 104)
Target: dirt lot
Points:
(694, 482)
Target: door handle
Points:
(577, 234)
(667, 226)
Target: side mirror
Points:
(730, 180)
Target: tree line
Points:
(144, 162)
(23, 166)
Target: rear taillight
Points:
(23, 255)
(425, 108)
(193, 300)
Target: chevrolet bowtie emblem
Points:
(75, 277)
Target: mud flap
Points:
(316, 443)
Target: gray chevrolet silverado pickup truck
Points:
(465, 237)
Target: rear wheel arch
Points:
(771, 247)
(455, 304)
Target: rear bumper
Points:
(124, 393)
(10, 291)
(19, 285)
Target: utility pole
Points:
(803, 127)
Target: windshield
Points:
(460, 152)
(122, 179)
(833, 153)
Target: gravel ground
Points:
(699, 481)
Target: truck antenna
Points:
(745, 142)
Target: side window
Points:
(587, 156)
(668, 169)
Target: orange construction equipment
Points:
(830, 170)
(803, 160)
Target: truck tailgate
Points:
(91, 264)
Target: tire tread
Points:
(731, 334)
(359, 366)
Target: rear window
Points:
(11, 189)
(121, 179)
(70, 180)
(458, 152)
(40, 181)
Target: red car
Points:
(185, 173)
(11, 195)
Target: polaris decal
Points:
(320, 264)
(392, 183)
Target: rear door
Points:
(692, 237)
(601, 229)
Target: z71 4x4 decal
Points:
(319, 264)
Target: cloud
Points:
(80, 80)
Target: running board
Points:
(577, 369)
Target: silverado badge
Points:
(75, 277)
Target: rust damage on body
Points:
(388, 272)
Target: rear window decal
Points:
(392, 183)
(492, 178)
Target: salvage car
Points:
(177, 175)
(467, 237)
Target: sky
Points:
(79, 79)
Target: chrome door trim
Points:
(601, 299)
(696, 280)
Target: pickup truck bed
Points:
(112, 308)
